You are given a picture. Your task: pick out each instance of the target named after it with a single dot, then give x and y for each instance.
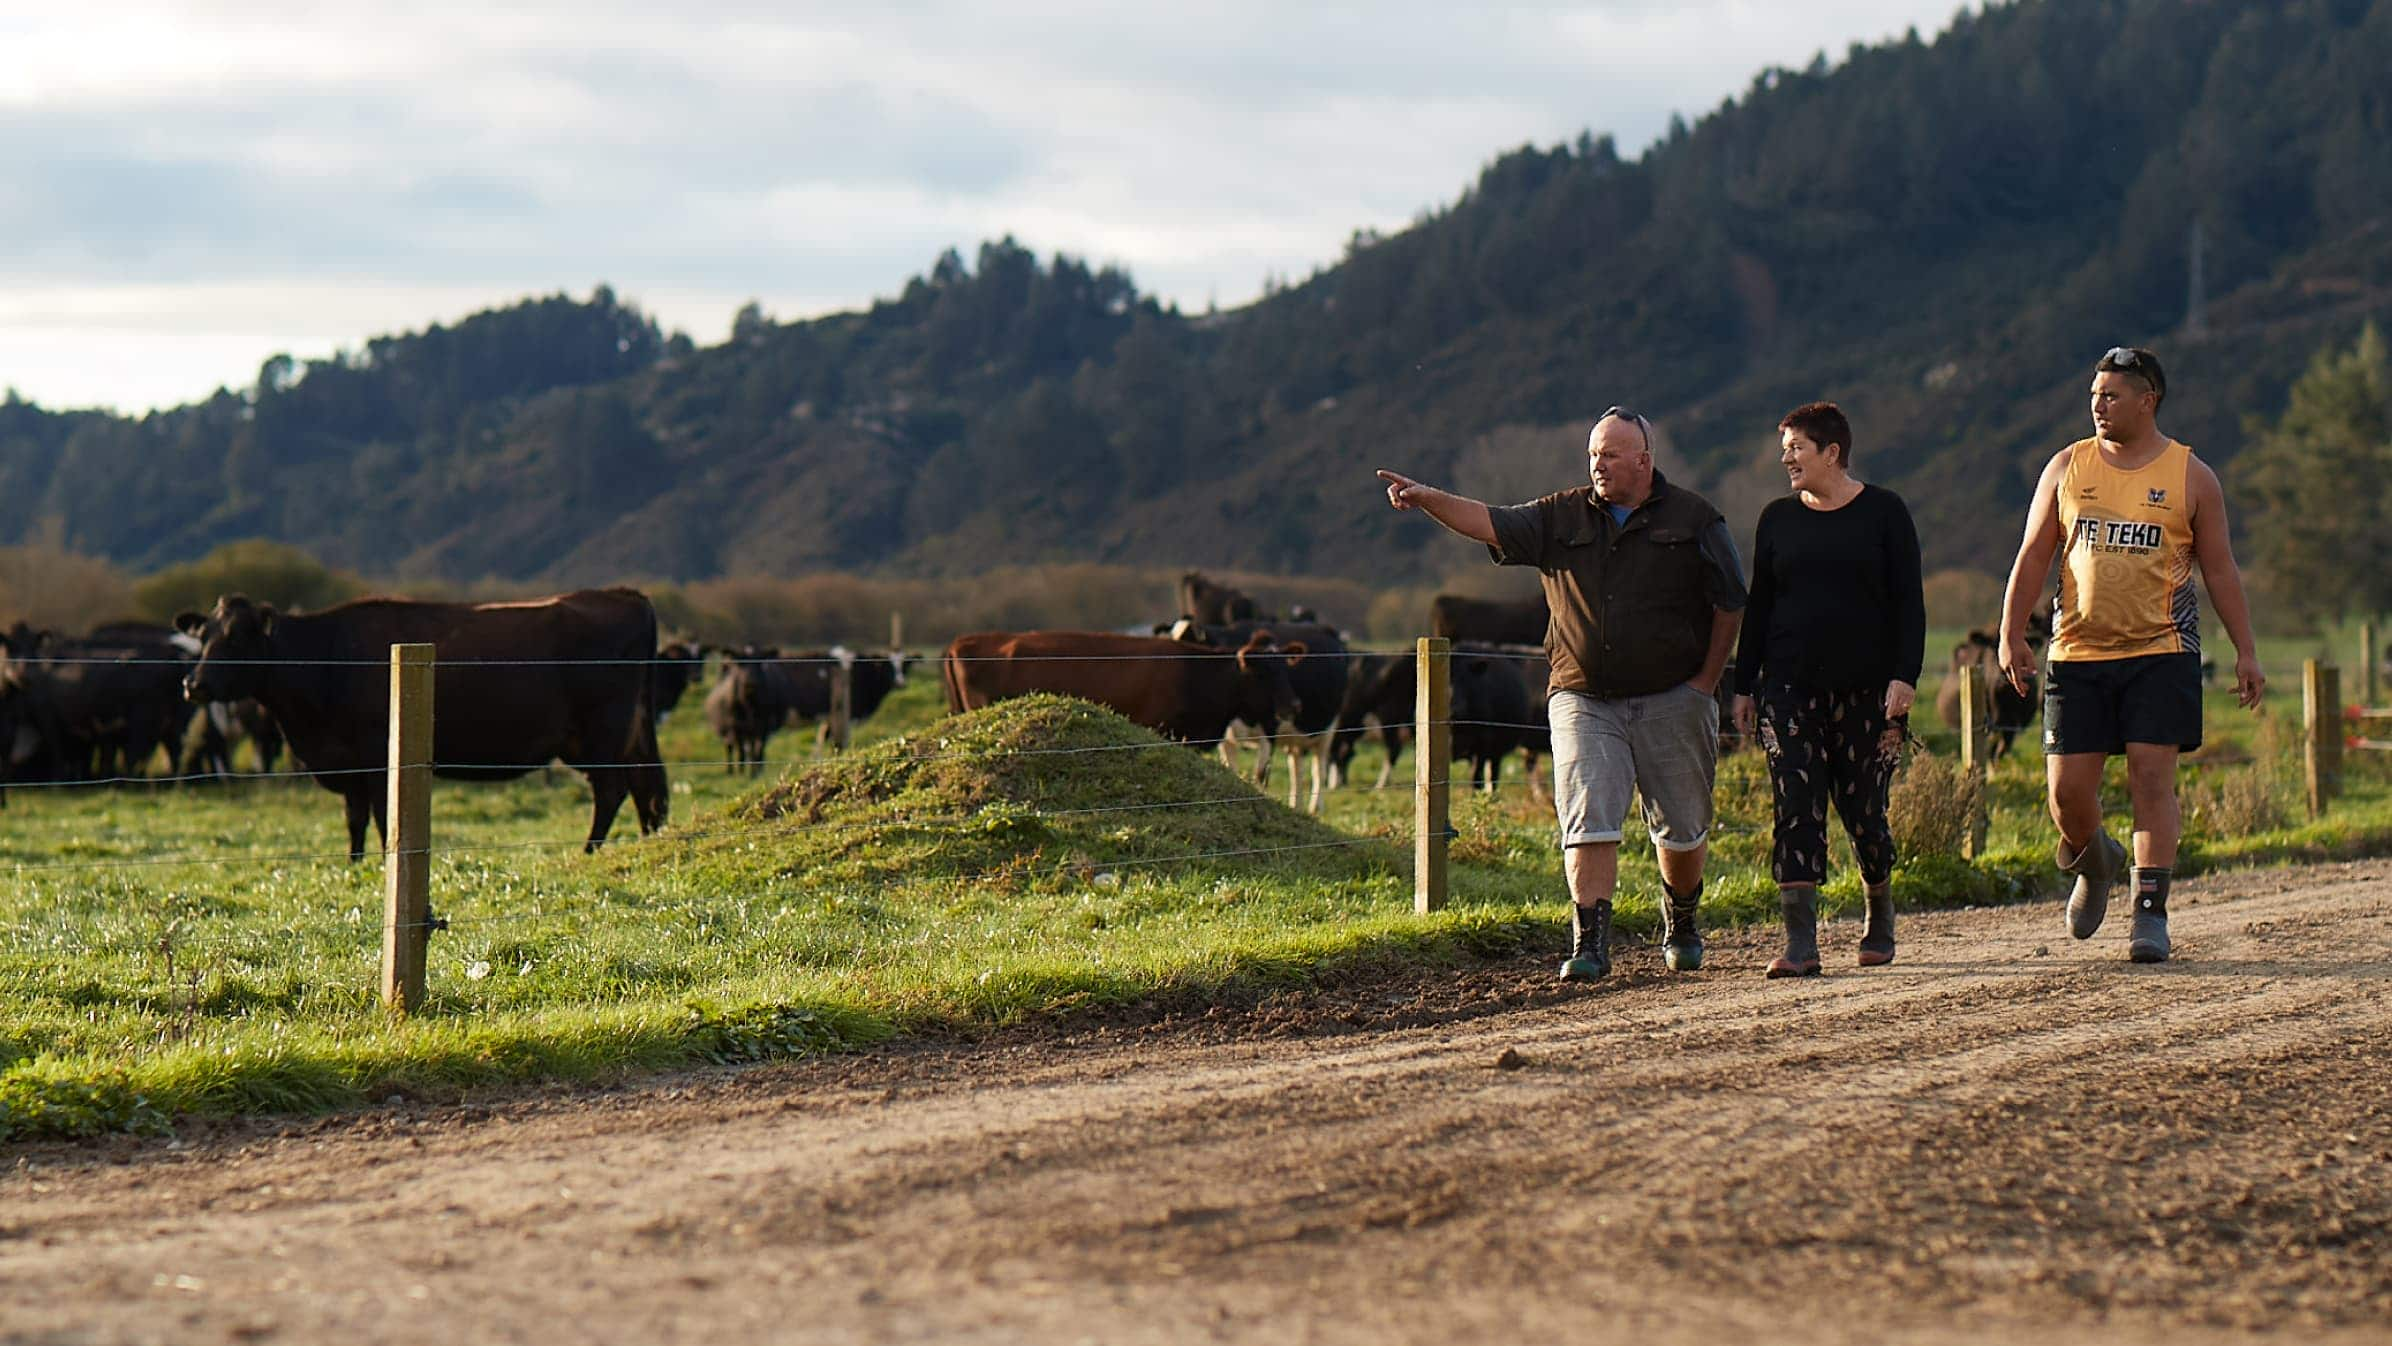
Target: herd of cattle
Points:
(761, 690)
(1223, 674)
(90, 707)
(581, 678)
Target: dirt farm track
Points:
(2005, 1136)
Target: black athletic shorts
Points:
(2101, 705)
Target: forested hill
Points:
(1941, 235)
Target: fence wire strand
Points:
(1296, 744)
(1055, 869)
(1189, 651)
(1032, 866)
(778, 827)
(1279, 740)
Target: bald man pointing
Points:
(1645, 591)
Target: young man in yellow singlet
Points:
(2130, 513)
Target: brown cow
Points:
(1178, 690)
(515, 685)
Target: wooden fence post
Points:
(2368, 689)
(407, 857)
(1973, 700)
(1432, 715)
(896, 630)
(2321, 714)
(839, 722)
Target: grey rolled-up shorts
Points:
(1664, 746)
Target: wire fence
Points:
(840, 850)
(1187, 651)
(775, 828)
(1280, 741)
(911, 659)
(1018, 869)
(1277, 738)
(1296, 744)
(455, 924)
(911, 751)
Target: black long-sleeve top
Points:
(1835, 601)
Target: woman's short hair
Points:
(1823, 424)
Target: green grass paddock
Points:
(209, 950)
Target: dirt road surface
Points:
(2007, 1135)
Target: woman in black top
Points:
(1831, 646)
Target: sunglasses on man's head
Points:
(2123, 357)
(1626, 415)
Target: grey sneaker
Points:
(2096, 869)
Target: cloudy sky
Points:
(189, 187)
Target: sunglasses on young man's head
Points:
(2142, 364)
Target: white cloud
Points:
(223, 180)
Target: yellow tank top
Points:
(2126, 561)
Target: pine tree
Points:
(2320, 479)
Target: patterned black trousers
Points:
(1822, 747)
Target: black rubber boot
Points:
(1681, 937)
(1877, 937)
(1590, 943)
(1799, 904)
(2147, 942)
(2096, 868)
